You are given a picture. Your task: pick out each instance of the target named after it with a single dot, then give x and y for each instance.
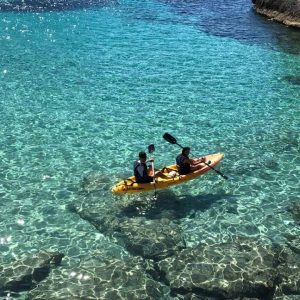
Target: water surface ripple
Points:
(83, 91)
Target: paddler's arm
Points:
(196, 162)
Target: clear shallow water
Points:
(84, 91)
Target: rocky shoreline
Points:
(286, 12)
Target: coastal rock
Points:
(25, 273)
(101, 277)
(284, 11)
(50, 5)
(242, 268)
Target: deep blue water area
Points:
(83, 91)
(223, 19)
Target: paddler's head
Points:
(142, 156)
(186, 151)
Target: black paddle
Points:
(151, 149)
(169, 138)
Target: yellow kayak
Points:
(167, 177)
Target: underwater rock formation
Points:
(243, 268)
(239, 269)
(94, 182)
(292, 79)
(50, 5)
(26, 273)
(144, 226)
(101, 277)
(289, 272)
(294, 209)
(284, 11)
(155, 239)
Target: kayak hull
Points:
(168, 176)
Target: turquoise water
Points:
(84, 91)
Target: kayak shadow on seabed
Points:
(168, 205)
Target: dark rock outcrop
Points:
(285, 11)
(24, 274)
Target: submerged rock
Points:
(289, 271)
(279, 295)
(243, 268)
(155, 239)
(294, 244)
(144, 226)
(50, 5)
(93, 182)
(101, 277)
(292, 79)
(284, 11)
(24, 274)
(294, 209)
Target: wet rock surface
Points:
(102, 277)
(25, 273)
(286, 11)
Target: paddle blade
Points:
(169, 138)
(151, 148)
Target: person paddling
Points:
(186, 165)
(141, 170)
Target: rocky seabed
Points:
(155, 263)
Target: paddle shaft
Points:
(151, 149)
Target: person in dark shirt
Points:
(141, 170)
(186, 165)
